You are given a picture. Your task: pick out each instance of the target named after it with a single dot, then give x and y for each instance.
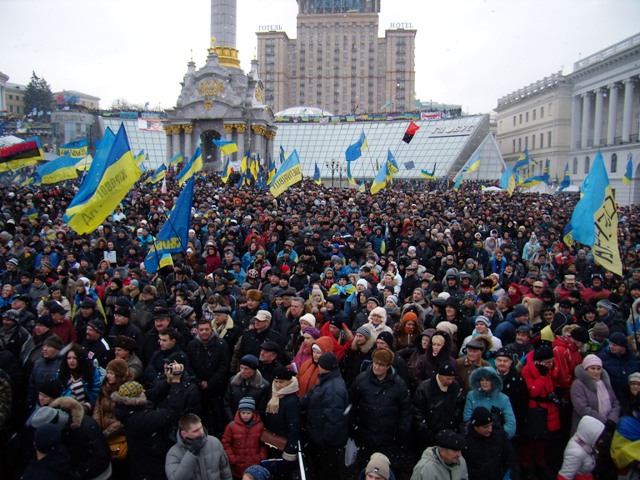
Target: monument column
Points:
(586, 119)
(175, 140)
(188, 130)
(576, 112)
(597, 127)
(168, 149)
(241, 128)
(627, 113)
(614, 88)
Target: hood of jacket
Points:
(255, 382)
(71, 406)
(368, 345)
(325, 344)
(590, 383)
(490, 374)
(589, 430)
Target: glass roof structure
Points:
(444, 144)
(153, 142)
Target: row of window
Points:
(613, 164)
(519, 117)
(525, 145)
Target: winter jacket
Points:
(54, 466)
(88, 447)
(357, 359)
(325, 405)
(435, 410)
(210, 462)
(540, 387)
(91, 388)
(431, 466)
(14, 338)
(381, 410)
(494, 400)
(45, 369)
(241, 442)
(488, 458)
(256, 388)
(584, 397)
(566, 358)
(103, 413)
(286, 422)
(210, 362)
(579, 454)
(619, 367)
(308, 373)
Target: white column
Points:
(576, 121)
(586, 119)
(168, 148)
(175, 141)
(597, 127)
(614, 88)
(627, 115)
(188, 150)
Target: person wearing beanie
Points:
(609, 314)
(619, 361)
(506, 330)
(481, 330)
(378, 321)
(385, 431)
(407, 331)
(248, 382)
(13, 336)
(487, 450)
(308, 335)
(444, 460)
(297, 337)
(52, 460)
(49, 391)
(32, 348)
(359, 353)
(566, 356)
(195, 453)
(327, 425)
(256, 472)
(45, 369)
(598, 337)
(122, 325)
(378, 468)
(241, 438)
(308, 372)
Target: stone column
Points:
(586, 119)
(241, 128)
(188, 130)
(175, 141)
(614, 88)
(228, 129)
(168, 148)
(597, 126)
(259, 131)
(627, 113)
(576, 112)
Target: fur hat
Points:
(309, 318)
(383, 356)
(120, 369)
(255, 295)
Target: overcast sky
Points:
(468, 52)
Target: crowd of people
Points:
(418, 333)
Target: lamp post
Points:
(334, 166)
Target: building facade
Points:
(337, 62)
(14, 99)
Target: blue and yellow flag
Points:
(176, 159)
(594, 221)
(283, 156)
(77, 149)
(429, 175)
(271, 170)
(350, 178)
(120, 174)
(141, 157)
(521, 164)
(628, 173)
(62, 168)
(227, 147)
(362, 187)
(289, 173)
(354, 151)
(191, 168)
(473, 164)
(392, 166)
(380, 180)
(226, 171)
(566, 181)
(316, 175)
(174, 234)
(159, 174)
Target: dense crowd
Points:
(419, 333)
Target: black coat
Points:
(435, 410)
(286, 422)
(257, 388)
(325, 404)
(381, 410)
(210, 362)
(488, 458)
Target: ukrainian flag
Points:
(350, 178)
(362, 187)
(62, 168)
(120, 174)
(566, 181)
(159, 174)
(77, 149)
(176, 159)
(628, 174)
(226, 171)
(316, 175)
(141, 157)
(194, 166)
(473, 164)
(429, 175)
(271, 167)
(289, 173)
(354, 151)
(226, 147)
(392, 166)
(380, 181)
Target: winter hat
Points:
(449, 439)
(254, 294)
(580, 334)
(543, 352)
(47, 437)
(393, 299)
(634, 377)
(247, 403)
(250, 361)
(409, 316)
(54, 341)
(447, 327)
(379, 311)
(130, 390)
(619, 339)
(328, 361)
(309, 318)
(380, 465)
(256, 472)
(45, 320)
(387, 338)
(97, 325)
(447, 369)
(591, 361)
(606, 304)
(48, 415)
(481, 417)
(282, 373)
(364, 331)
(184, 311)
(559, 321)
(313, 331)
(52, 388)
(383, 356)
(119, 368)
(520, 311)
(362, 282)
(483, 319)
(600, 330)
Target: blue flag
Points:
(354, 151)
(174, 234)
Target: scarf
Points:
(274, 404)
(604, 402)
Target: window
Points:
(526, 142)
(542, 140)
(513, 145)
(514, 120)
(575, 166)
(526, 117)
(541, 112)
(614, 163)
(548, 139)
(587, 164)
(519, 144)
(533, 142)
(533, 114)
(520, 119)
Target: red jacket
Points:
(242, 444)
(566, 358)
(539, 388)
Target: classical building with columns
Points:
(220, 101)
(594, 108)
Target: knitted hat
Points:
(52, 388)
(313, 331)
(309, 318)
(247, 403)
(383, 356)
(618, 338)
(97, 325)
(481, 417)
(250, 361)
(606, 304)
(57, 308)
(387, 338)
(118, 367)
(520, 311)
(47, 437)
(130, 389)
(54, 341)
(503, 352)
(591, 361)
(328, 361)
(256, 472)
(380, 465)
(409, 316)
(45, 320)
(282, 373)
(543, 352)
(48, 415)
(634, 377)
(449, 439)
(447, 369)
(184, 311)
(600, 330)
(364, 331)
(447, 327)
(483, 319)
(393, 299)
(580, 334)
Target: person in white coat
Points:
(580, 453)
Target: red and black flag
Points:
(20, 155)
(410, 132)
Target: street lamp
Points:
(333, 165)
